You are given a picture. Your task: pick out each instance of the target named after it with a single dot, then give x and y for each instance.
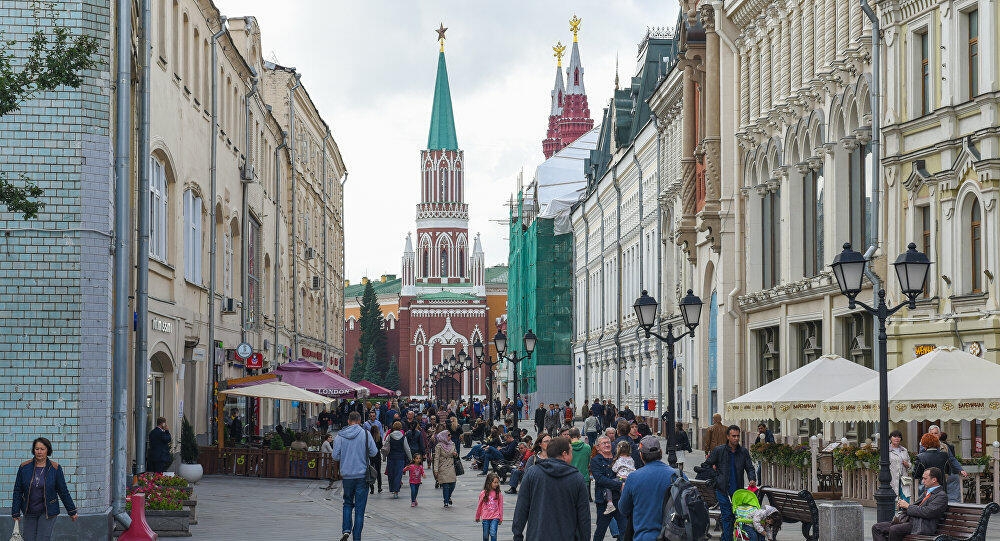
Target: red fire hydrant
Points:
(139, 530)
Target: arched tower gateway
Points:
(443, 308)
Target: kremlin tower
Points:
(569, 117)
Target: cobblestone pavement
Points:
(240, 509)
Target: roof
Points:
(442, 133)
(496, 274)
(448, 296)
(381, 288)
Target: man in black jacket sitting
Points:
(507, 452)
(730, 461)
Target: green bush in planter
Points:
(189, 446)
(277, 444)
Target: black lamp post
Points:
(645, 309)
(478, 350)
(500, 341)
(911, 271)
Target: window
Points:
(860, 197)
(976, 247)
(812, 205)
(925, 244)
(925, 73)
(227, 265)
(972, 20)
(157, 210)
(161, 35)
(768, 358)
(810, 341)
(461, 262)
(253, 297)
(192, 237)
(444, 262)
(858, 338)
(771, 216)
(425, 264)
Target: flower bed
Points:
(794, 456)
(163, 493)
(850, 457)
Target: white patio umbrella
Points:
(279, 391)
(947, 384)
(797, 394)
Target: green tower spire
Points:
(442, 134)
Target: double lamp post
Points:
(500, 342)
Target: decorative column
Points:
(808, 42)
(794, 22)
(712, 142)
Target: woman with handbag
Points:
(376, 461)
(445, 456)
(899, 466)
(35, 488)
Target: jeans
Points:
(355, 500)
(490, 529)
(475, 452)
(591, 438)
(37, 527)
(489, 453)
(446, 490)
(726, 509)
(414, 488)
(515, 478)
(603, 521)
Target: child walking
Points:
(622, 466)
(416, 471)
(490, 508)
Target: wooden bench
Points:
(708, 494)
(965, 522)
(794, 507)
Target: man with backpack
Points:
(643, 496)
(730, 460)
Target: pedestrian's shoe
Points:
(511, 491)
(610, 510)
(413, 504)
(346, 536)
(446, 505)
(395, 495)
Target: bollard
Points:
(841, 520)
(814, 454)
(996, 471)
(139, 530)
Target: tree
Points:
(391, 380)
(358, 368)
(372, 344)
(49, 62)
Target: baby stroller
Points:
(744, 505)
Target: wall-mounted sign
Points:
(923, 349)
(318, 355)
(255, 362)
(975, 348)
(162, 326)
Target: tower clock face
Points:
(244, 350)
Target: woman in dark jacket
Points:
(605, 480)
(377, 459)
(934, 457)
(397, 453)
(37, 483)
(456, 433)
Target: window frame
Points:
(158, 207)
(252, 306)
(976, 251)
(193, 246)
(972, 51)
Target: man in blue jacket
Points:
(730, 461)
(353, 448)
(642, 497)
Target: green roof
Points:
(496, 274)
(381, 288)
(442, 134)
(448, 296)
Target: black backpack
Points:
(685, 514)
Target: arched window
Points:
(812, 206)
(976, 242)
(576, 76)
(157, 209)
(192, 237)
(444, 262)
(425, 264)
(461, 263)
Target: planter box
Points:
(170, 523)
(275, 463)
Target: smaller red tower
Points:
(569, 117)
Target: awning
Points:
(947, 384)
(360, 389)
(277, 390)
(797, 394)
(312, 377)
(376, 390)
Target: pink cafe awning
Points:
(361, 389)
(312, 377)
(376, 390)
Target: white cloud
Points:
(370, 67)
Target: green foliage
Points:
(849, 457)
(391, 380)
(373, 342)
(51, 58)
(796, 456)
(189, 445)
(277, 444)
(358, 369)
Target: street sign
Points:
(244, 350)
(255, 362)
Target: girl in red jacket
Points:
(490, 508)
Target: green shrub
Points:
(277, 444)
(189, 446)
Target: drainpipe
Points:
(618, 268)
(326, 300)
(245, 211)
(295, 216)
(600, 337)
(586, 300)
(873, 221)
(122, 256)
(212, 237)
(142, 253)
(642, 258)
(277, 259)
(659, 263)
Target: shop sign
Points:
(318, 355)
(162, 326)
(255, 362)
(922, 349)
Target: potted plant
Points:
(190, 468)
(276, 458)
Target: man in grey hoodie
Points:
(353, 448)
(553, 501)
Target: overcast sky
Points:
(370, 67)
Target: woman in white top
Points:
(899, 466)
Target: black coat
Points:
(552, 504)
(604, 478)
(681, 441)
(540, 417)
(159, 449)
(720, 458)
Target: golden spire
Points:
(441, 30)
(574, 26)
(558, 48)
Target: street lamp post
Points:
(911, 271)
(645, 309)
(478, 350)
(500, 341)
